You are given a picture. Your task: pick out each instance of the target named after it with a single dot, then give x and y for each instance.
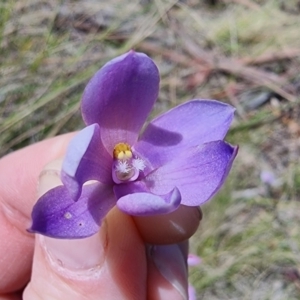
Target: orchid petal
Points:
(57, 215)
(190, 124)
(138, 202)
(120, 96)
(86, 159)
(198, 174)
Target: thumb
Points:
(108, 265)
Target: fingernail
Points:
(78, 254)
(49, 177)
(171, 262)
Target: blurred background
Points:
(243, 52)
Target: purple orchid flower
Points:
(179, 159)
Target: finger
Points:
(19, 174)
(13, 296)
(108, 265)
(172, 228)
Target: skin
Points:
(122, 270)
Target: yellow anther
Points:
(121, 155)
(128, 154)
(122, 151)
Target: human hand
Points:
(116, 263)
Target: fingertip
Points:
(171, 228)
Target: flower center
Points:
(126, 166)
(122, 151)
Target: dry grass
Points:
(243, 52)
